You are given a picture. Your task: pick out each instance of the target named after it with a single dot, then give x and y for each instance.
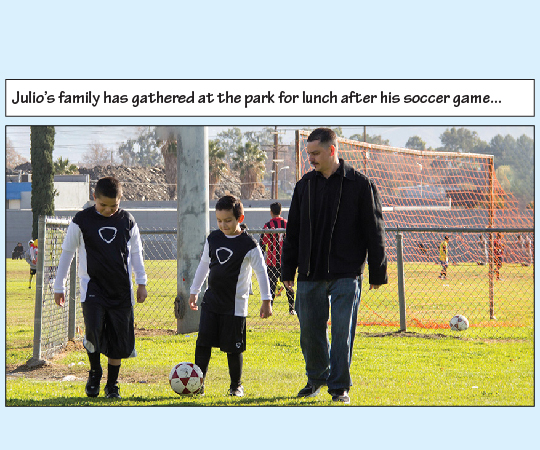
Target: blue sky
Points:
(73, 142)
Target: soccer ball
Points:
(186, 378)
(459, 323)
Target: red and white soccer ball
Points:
(186, 378)
(459, 323)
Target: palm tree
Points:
(64, 167)
(216, 164)
(249, 160)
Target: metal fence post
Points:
(72, 298)
(38, 311)
(193, 219)
(401, 283)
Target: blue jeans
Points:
(328, 364)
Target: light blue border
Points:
(280, 39)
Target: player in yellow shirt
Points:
(443, 257)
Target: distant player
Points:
(109, 245)
(228, 256)
(31, 258)
(272, 245)
(443, 257)
(525, 250)
(484, 257)
(498, 250)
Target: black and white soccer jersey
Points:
(228, 260)
(109, 247)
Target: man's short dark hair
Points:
(324, 135)
(230, 202)
(275, 208)
(108, 187)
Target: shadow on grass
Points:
(156, 401)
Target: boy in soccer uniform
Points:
(443, 257)
(109, 245)
(272, 244)
(228, 256)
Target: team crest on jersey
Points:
(107, 234)
(223, 254)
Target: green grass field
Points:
(434, 367)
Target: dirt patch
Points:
(409, 334)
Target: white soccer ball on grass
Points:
(459, 323)
(186, 378)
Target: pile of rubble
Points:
(138, 183)
(149, 184)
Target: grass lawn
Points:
(434, 367)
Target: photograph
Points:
(369, 265)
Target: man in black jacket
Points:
(335, 221)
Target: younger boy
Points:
(109, 245)
(228, 256)
(443, 257)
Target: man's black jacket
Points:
(357, 228)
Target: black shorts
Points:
(226, 332)
(109, 328)
(32, 271)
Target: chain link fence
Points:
(489, 279)
(54, 326)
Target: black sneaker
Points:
(309, 391)
(341, 396)
(237, 392)
(92, 385)
(112, 391)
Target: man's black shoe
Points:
(92, 385)
(309, 391)
(341, 396)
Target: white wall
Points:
(70, 195)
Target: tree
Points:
(41, 150)
(338, 131)
(96, 155)
(216, 164)
(460, 140)
(13, 158)
(170, 156)
(229, 141)
(370, 139)
(416, 143)
(249, 160)
(143, 151)
(64, 167)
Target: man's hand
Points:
(266, 309)
(141, 293)
(193, 302)
(59, 299)
(289, 285)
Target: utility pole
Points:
(274, 166)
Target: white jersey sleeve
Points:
(71, 242)
(136, 254)
(256, 260)
(202, 271)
